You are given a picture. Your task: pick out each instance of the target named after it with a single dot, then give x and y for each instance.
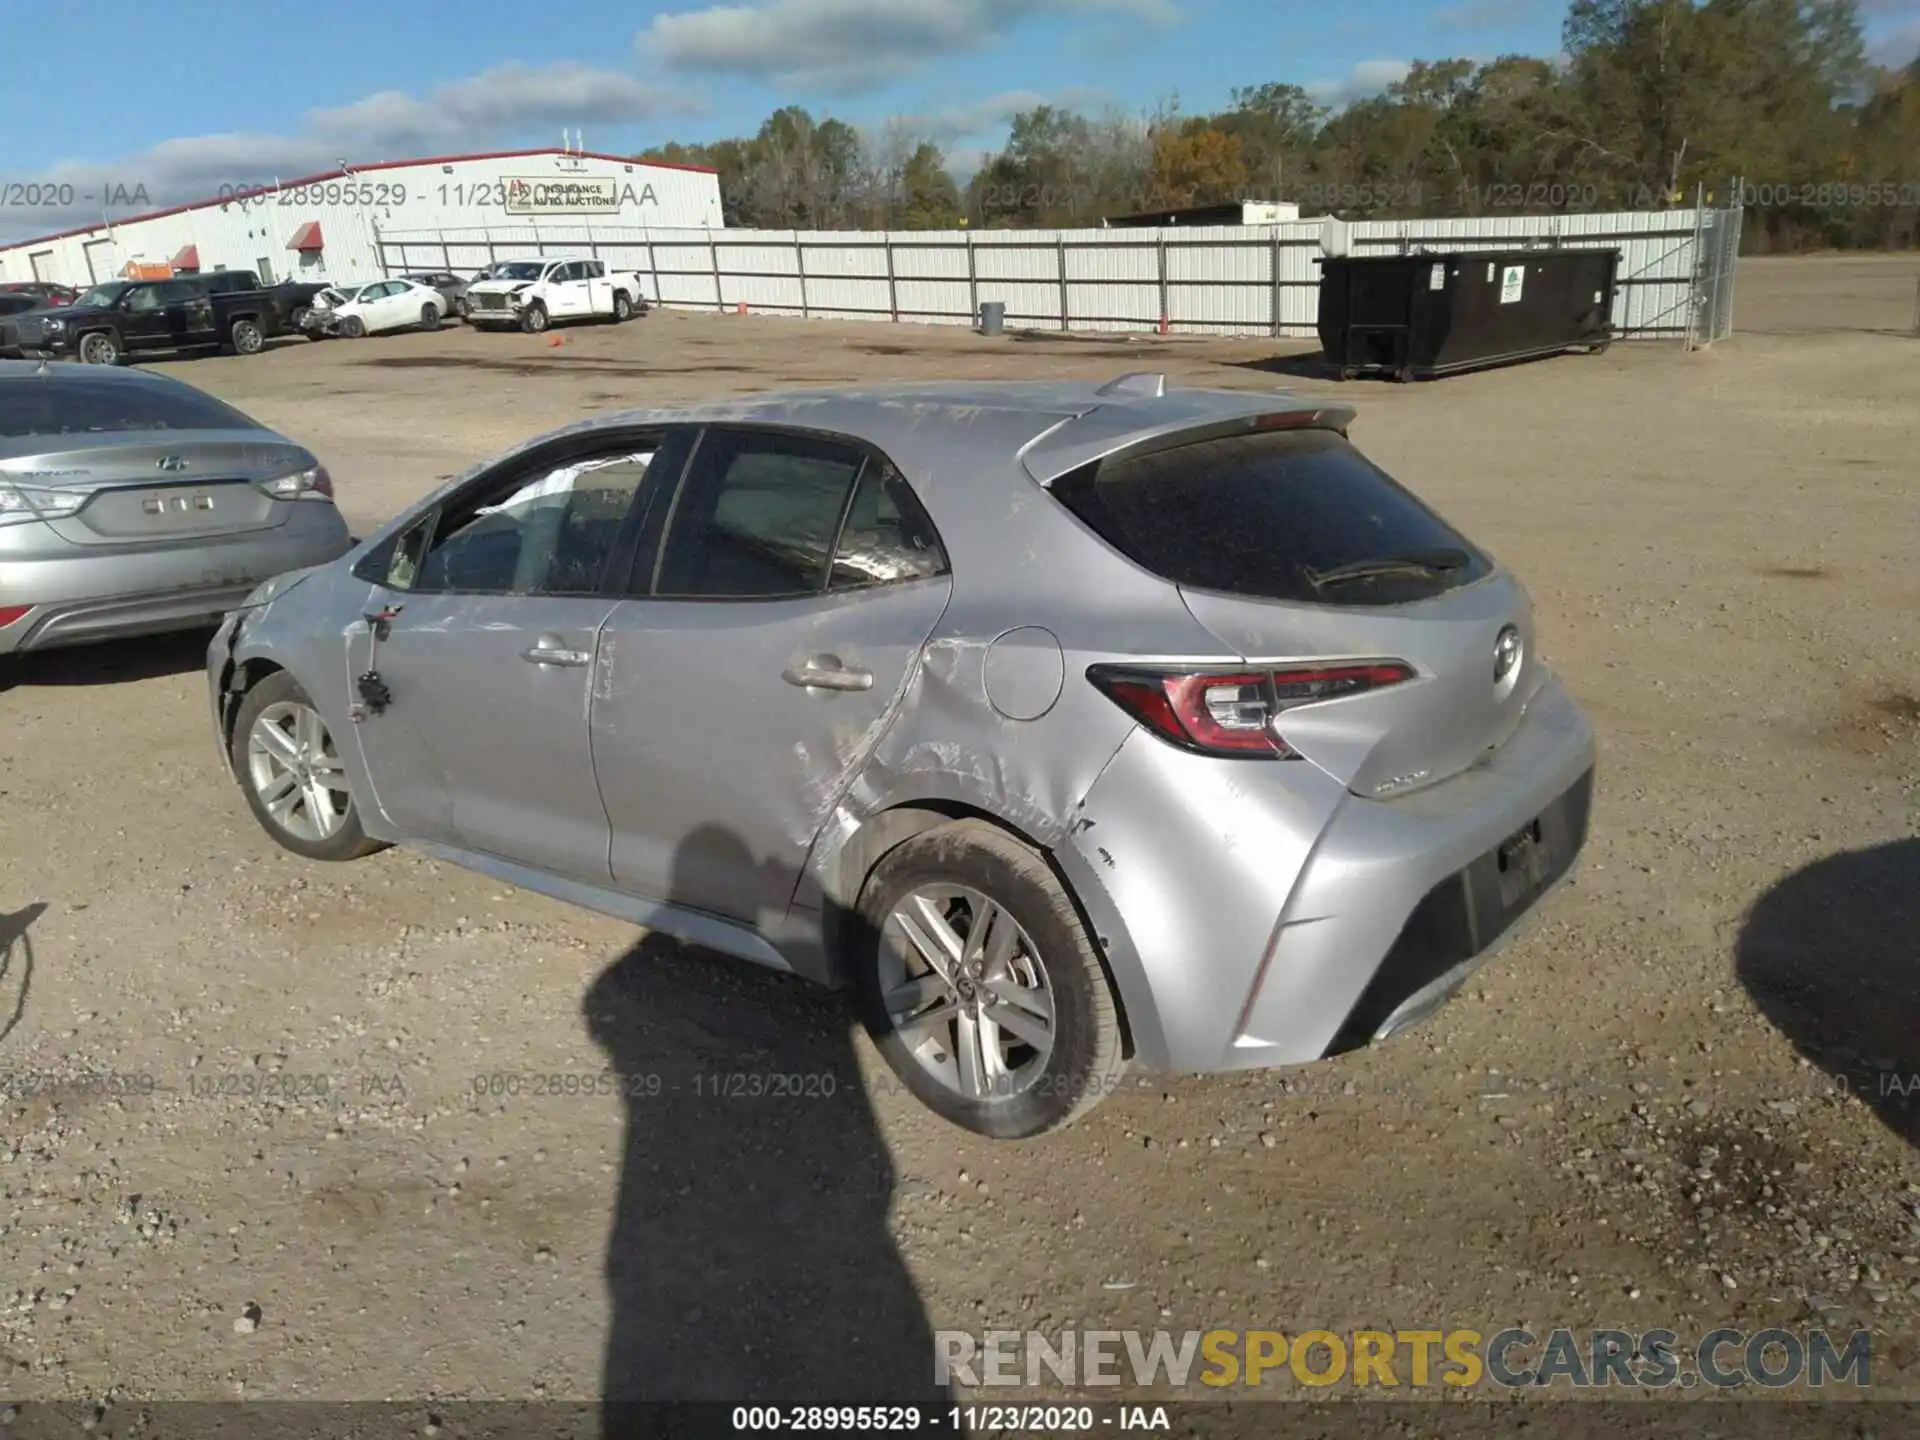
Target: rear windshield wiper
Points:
(1417, 562)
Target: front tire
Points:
(534, 318)
(99, 348)
(290, 768)
(980, 986)
(353, 327)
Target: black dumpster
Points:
(1421, 316)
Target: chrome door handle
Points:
(825, 672)
(554, 655)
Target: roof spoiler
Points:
(1110, 432)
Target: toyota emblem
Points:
(1506, 653)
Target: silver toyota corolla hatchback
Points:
(132, 504)
(1069, 726)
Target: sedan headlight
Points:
(22, 504)
(300, 483)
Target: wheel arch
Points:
(238, 677)
(852, 862)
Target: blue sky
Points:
(232, 93)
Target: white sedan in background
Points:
(381, 305)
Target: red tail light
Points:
(322, 481)
(1232, 712)
(11, 613)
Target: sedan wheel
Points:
(290, 767)
(353, 327)
(979, 984)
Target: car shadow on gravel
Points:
(1830, 956)
(110, 662)
(750, 1258)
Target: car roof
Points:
(1054, 426)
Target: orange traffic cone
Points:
(553, 340)
(743, 308)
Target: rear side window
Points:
(1272, 516)
(758, 517)
(75, 405)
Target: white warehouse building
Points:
(328, 226)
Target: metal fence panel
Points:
(1675, 275)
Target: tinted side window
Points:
(549, 532)
(887, 536)
(1267, 515)
(757, 517)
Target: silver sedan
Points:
(133, 504)
(1070, 727)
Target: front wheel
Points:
(289, 765)
(99, 348)
(353, 327)
(462, 308)
(534, 318)
(979, 985)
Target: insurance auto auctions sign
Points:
(572, 195)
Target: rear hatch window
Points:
(73, 405)
(1295, 515)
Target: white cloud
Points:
(1366, 79)
(508, 104)
(989, 117)
(848, 46)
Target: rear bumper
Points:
(1259, 914)
(83, 596)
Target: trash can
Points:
(1423, 316)
(993, 316)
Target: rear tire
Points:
(293, 778)
(1022, 1037)
(429, 317)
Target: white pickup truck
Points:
(531, 294)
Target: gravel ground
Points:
(245, 1153)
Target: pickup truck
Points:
(126, 318)
(533, 293)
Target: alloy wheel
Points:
(967, 991)
(295, 769)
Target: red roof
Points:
(306, 180)
(307, 237)
(187, 258)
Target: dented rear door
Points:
(782, 612)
